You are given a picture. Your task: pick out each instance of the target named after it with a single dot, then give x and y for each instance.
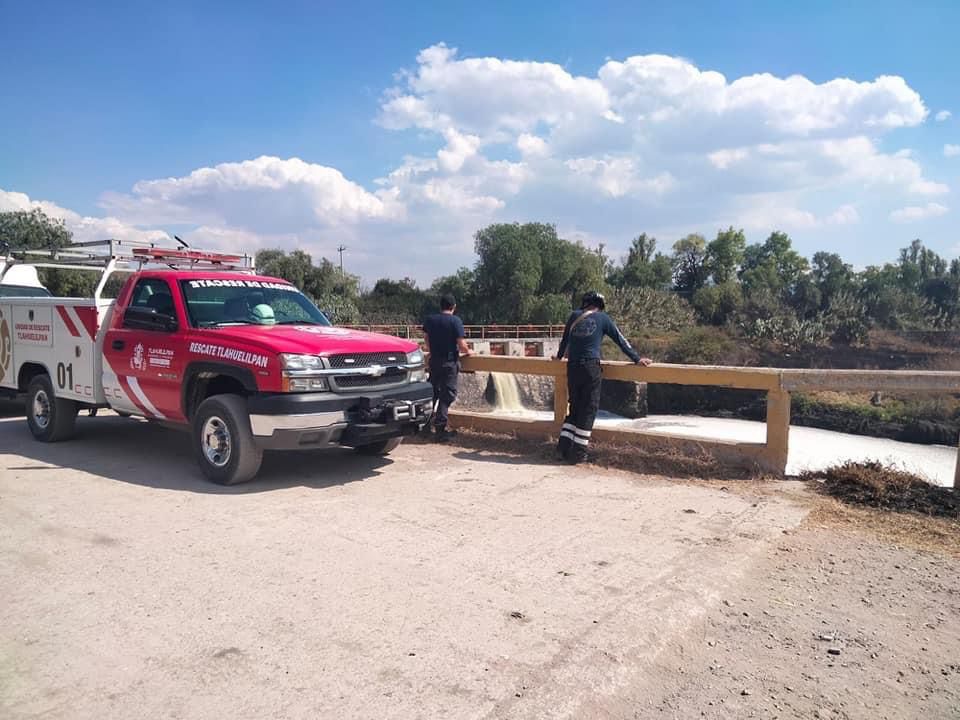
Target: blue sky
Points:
(102, 96)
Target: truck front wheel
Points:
(384, 447)
(223, 441)
(50, 418)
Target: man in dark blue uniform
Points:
(444, 335)
(582, 337)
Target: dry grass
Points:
(690, 463)
(874, 485)
(920, 532)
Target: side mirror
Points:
(141, 318)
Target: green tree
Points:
(519, 265)
(35, 230)
(690, 269)
(643, 266)
(725, 254)
(832, 275)
(462, 285)
(293, 267)
(773, 265)
(334, 293)
(393, 301)
(918, 265)
(717, 304)
(509, 268)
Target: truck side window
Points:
(155, 294)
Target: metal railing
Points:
(769, 456)
(473, 332)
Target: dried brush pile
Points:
(875, 485)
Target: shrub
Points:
(874, 485)
(717, 304)
(639, 310)
(706, 346)
(846, 318)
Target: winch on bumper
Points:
(305, 421)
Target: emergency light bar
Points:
(165, 255)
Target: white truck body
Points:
(62, 335)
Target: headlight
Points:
(305, 384)
(415, 358)
(418, 376)
(299, 373)
(300, 363)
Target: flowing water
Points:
(507, 394)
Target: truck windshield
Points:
(213, 303)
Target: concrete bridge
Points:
(769, 456)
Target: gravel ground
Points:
(444, 582)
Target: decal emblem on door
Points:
(136, 362)
(5, 346)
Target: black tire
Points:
(123, 414)
(49, 418)
(224, 419)
(384, 447)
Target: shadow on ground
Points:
(11, 408)
(142, 453)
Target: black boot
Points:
(443, 435)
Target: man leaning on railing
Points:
(581, 339)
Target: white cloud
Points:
(651, 94)
(654, 131)
(766, 212)
(617, 176)
(951, 150)
(84, 228)
(943, 115)
(914, 213)
(722, 159)
(844, 215)
(532, 146)
(267, 194)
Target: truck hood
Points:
(309, 339)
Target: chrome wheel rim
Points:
(41, 409)
(216, 441)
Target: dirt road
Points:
(444, 582)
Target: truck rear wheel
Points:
(384, 447)
(223, 441)
(49, 418)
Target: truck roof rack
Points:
(132, 255)
(110, 256)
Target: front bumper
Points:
(310, 420)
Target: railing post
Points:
(561, 399)
(956, 475)
(778, 431)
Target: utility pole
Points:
(340, 250)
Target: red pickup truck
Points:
(199, 341)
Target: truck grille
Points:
(362, 360)
(356, 382)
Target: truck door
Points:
(143, 364)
